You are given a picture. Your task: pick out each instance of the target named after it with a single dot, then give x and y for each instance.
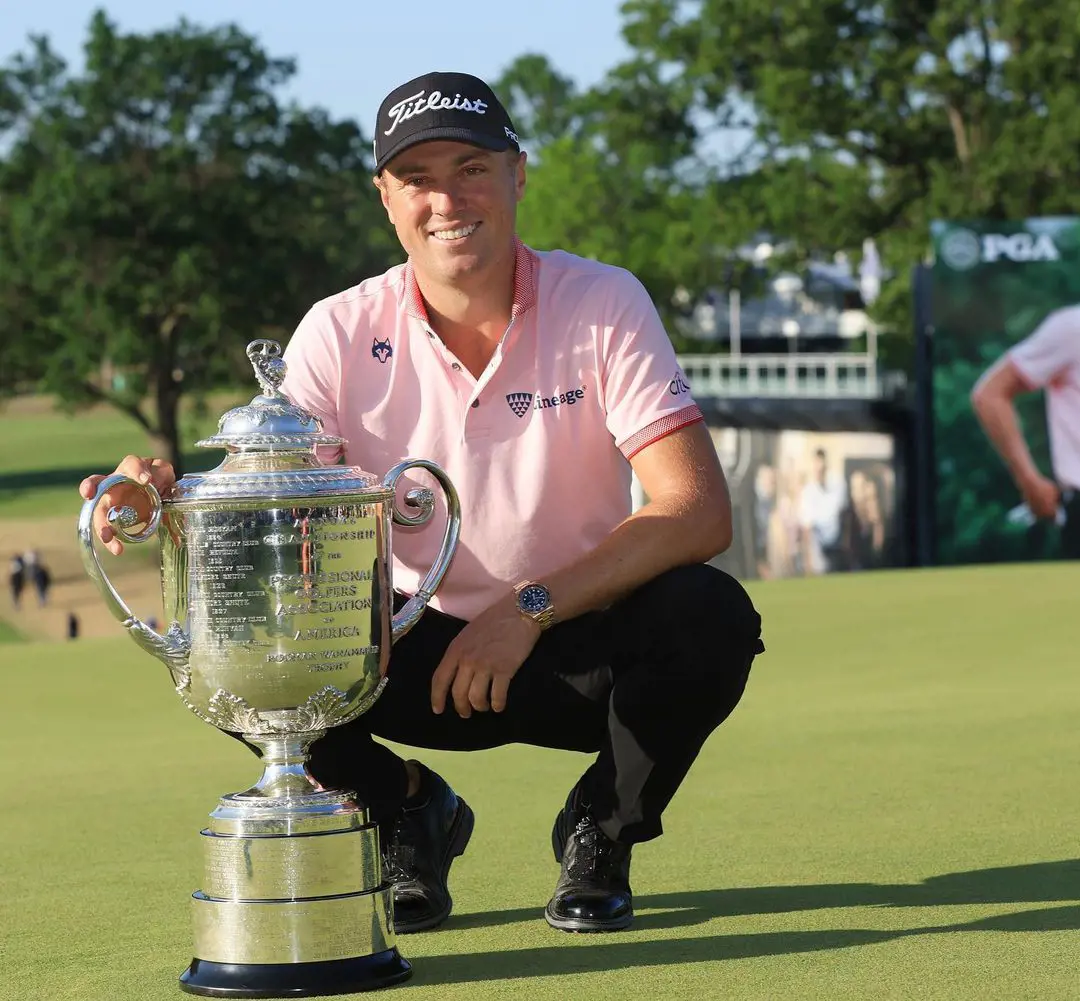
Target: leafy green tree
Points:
(542, 102)
(602, 177)
(871, 118)
(162, 209)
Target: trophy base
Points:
(293, 901)
(288, 980)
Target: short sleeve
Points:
(1051, 349)
(313, 373)
(646, 394)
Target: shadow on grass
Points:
(37, 479)
(1039, 882)
(558, 960)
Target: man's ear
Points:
(519, 175)
(384, 196)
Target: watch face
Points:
(534, 598)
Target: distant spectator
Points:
(17, 579)
(821, 504)
(72, 626)
(42, 582)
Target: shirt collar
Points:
(526, 281)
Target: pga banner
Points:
(1006, 389)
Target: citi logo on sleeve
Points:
(522, 403)
(678, 386)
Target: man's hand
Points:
(156, 471)
(1042, 495)
(482, 659)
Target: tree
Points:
(541, 101)
(873, 118)
(161, 210)
(602, 181)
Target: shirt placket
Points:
(475, 421)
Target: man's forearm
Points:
(661, 535)
(997, 415)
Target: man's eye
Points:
(474, 170)
(416, 182)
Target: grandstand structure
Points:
(805, 336)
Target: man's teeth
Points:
(454, 234)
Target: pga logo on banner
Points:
(962, 249)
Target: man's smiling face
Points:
(453, 206)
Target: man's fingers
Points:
(162, 475)
(478, 691)
(441, 680)
(460, 690)
(89, 486)
(138, 469)
(500, 687)
(143, 471)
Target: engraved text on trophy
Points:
(285, 593)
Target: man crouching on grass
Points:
(538, 381)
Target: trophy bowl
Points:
(276, 584)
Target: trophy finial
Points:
(265, 358)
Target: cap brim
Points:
(473, 138)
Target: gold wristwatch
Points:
(534, 602)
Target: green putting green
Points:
(891, 813)
(8, 633)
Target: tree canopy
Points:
(163, 208)
(837, 121)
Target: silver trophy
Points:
(276, 579)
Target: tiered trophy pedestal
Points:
(293, 902)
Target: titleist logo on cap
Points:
(417, 104)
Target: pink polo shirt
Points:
(1050, 358)
(537, 447)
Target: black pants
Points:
(641, 685)
(1070, 531)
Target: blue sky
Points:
(350, 55)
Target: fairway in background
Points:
(44, 453)
(891, 813)
(9, 634)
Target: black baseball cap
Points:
(441, 106)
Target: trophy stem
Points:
(285, 774)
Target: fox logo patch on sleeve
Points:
(381, 350)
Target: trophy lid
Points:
(270, 422)
(272, 453)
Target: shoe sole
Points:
(586, 924)
(461, 832)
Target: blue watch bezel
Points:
(528, 595)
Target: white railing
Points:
(817, 376)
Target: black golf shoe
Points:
(416, 861)
(593, 892)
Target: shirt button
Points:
(475, 404)
(456, 367)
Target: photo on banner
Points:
(1005, 308)
(807, 502)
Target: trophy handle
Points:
(172, 649)
(424, 501)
